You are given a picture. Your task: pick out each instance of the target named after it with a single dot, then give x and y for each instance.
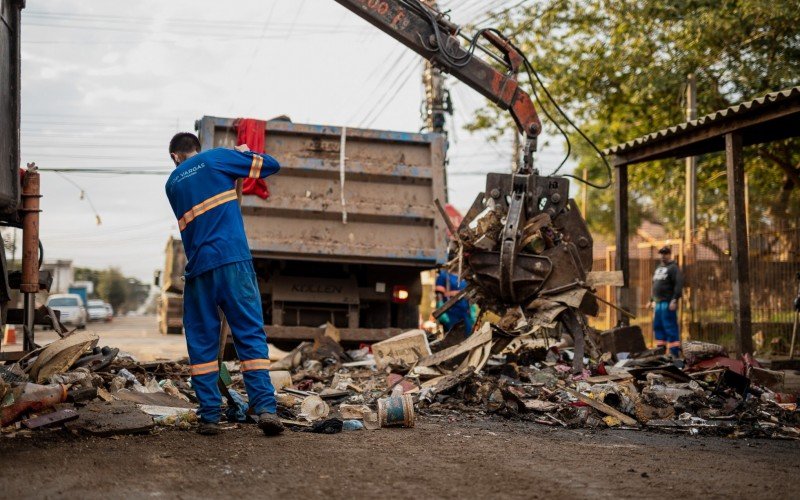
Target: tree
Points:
(112, 287)
(86, 274)
(619, 69)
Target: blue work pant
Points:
(665, 328)
(456, 314)
(233, 289)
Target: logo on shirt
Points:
(660, 274)
(185, 174)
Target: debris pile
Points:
(93, 390)
(506, 368)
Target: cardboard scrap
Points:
(61, 354)
(404, 349)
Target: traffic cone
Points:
(10, 336)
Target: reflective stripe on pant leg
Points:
(255, 364)
(202, 325)
(242, 308)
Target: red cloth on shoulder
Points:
(253, 132)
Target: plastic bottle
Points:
(32, 397)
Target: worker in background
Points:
(449, 285)
(220, 274)
(667, 289)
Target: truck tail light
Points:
(400, 294)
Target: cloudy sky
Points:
(105, 84)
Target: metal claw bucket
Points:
(396, 411)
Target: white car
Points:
(97, 310)
(71, 307)
(109, 311)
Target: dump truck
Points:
(170, 303)
(348, 226)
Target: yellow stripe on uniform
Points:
(255, 364)
(205, 206)
(204, 368)
(255, 167)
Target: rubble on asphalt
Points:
(514, 372)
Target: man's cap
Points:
(665, 250)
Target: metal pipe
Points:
(30, 249)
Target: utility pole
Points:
(690, 223)
(437, 99)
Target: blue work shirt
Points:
(449, 285)
(202, 192)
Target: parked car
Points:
(97, 310)
(109, 311)
(71, 307)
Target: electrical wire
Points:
(461, 60)
(533, 75)
(591, 143)
(84, 195)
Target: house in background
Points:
(62, 272)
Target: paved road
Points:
(449, 457)
(136, 335)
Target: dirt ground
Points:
(440, 458)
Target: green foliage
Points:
(619, 68)
(123, 293)
(112, 288)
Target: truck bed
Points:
(390, 182)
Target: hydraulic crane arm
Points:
(427, 32)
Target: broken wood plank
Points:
(612, 377)
(481, 337)
(602, 407)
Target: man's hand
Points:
(242, 148)
(673, 305)
(651, 304)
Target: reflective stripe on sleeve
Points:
(255, 364)
(255, 167)
(204, 368)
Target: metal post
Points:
(585, 195)
(740, 266)
(622, 260)
(30, 251)
(690, 222)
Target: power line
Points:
(367, 122)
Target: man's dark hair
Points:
(184, 142)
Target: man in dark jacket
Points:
(667, 289)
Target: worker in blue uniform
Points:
(220, 275)
(449, 285)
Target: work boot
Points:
(270, 424)
(208, 428)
